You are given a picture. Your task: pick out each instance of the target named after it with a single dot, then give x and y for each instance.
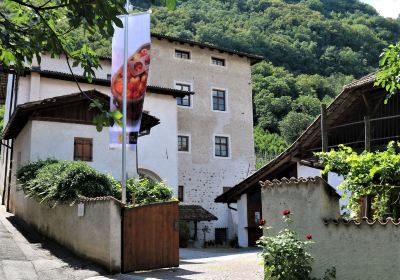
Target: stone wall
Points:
(95, 236)
(358, 250)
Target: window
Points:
(83, 149)
(182, 54)
(221, 146)
(218, 97)
(180, 193)
(109, 77)
(183, 143)
(183, 101)
(218, 61)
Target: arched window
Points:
(149, 174)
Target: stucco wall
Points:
(95, 236)
(243, 237)
(363, 251)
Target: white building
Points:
(201, 95)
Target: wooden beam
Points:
(324, 133)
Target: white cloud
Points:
(387, 8)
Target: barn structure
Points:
(359, 118)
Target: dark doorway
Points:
(254, 215)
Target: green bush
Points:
(147, 191)
(30, 170)
(65, 181)
(184, 234)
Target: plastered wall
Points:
(366, 251)
(96, 235)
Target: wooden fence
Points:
(150, 237)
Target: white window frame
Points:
(229, 146)
(226, 100)
(190, 96)
(189, 151)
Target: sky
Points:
(387, 8)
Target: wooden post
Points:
(368, 198)
(324, 134)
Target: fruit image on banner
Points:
(138, 64)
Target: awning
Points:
(195, 213)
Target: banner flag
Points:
(137, 74)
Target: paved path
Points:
(213, 264)
(27, 256)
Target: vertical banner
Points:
(138, 70)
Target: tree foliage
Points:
(369, 173)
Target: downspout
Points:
(7, 145)
(12, 147)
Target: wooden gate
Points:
(150, 237)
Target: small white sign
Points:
(81, 209)
(257, 217)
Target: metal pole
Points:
(324, 134)
(123, 183)
(368, 198)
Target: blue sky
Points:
(387, 8)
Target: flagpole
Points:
(124, 109)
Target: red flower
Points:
(262, 222)
(309, 236)
(286, 212)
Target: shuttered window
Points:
(83, 149)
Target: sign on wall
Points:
(138, 63)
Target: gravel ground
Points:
(212, 264)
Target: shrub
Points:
(184, 234)
(369, 173)
(285, 255)
(65, 181)
(30, 170)
(147, 191)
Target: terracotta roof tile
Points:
(370, 222)
(101, 198)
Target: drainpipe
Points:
(14, 94)
(8, 143)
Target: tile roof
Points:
(101, 198)
(347, 222)
(188, 212)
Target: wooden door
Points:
(150, 237)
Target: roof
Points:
(253, 58)
(366, 221)
(339, 105)
(296, 181)
(104, 82)
(188, 212)
(24, 112)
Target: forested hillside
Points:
(312, 48)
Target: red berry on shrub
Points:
(262, 222)
(286, 212)
(309, 236)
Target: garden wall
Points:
(358, 250)
(96, 235)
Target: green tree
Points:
(293, 125)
